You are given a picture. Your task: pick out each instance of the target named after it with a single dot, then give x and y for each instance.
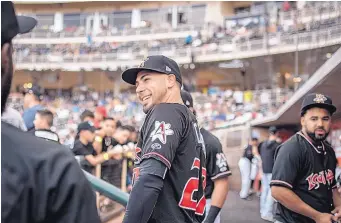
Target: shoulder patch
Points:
(161, 131)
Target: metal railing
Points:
(107, 189)
(278, 43)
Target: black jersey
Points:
(216, 163)
(81, 150)
(42, 182)
(309, 172)
(171, 135)
(111, 169)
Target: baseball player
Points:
(169, 174)
(40, 180)
(217, 185)
(303, 179)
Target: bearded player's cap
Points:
(317, 100)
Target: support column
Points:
(174, 17)
(96, 27)
(135, 18)
(58, 22)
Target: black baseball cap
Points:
(86, 126)
(317, 100)
(158, 63)
(12, 25)
(35, 90)
(273, 130)
(187, 98)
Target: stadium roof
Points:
(325, 80)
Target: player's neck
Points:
(173, 97)
(314, 142)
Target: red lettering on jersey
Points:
(314, 180)
(192, 186)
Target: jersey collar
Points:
(318, 151)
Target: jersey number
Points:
(191, 186)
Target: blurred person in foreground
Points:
(32, 104)
(13, 117)
(303, 179)
(169, 175)
(40, 181)
(43, 123)
(217, 170)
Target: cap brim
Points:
(130, 74)
(330, 108)
(26, 24)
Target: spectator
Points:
(32, 100)
(100, 114)
(43, 123)
(87, 116)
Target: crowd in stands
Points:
(215, 109)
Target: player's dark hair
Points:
(118, 124)
(109, 118)
(131, 128)
(254, 139)
(46, 114)
(86, 113)
(125, 127)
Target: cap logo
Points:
(320, 98)
(168, 69)
(187, 103)
(142, 63)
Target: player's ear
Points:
(302, 121)
(171, 80)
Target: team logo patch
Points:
(142, 63)
(156, 146)
(107, 141)
(161, 131)
(320, 98)
(314, 180)
(221, 162)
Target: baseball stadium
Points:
(254, 70)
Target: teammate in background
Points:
(169, 175)
(40, 181)
(267, 152)
(112, 168)
(217, 185)
(83, 148)
(245, 168)
(32, 104)
(303, 180)
(42, 124)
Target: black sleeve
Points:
(288, 162)
(66, 192)
(145, 192)
(216, 165)
(162, 133)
